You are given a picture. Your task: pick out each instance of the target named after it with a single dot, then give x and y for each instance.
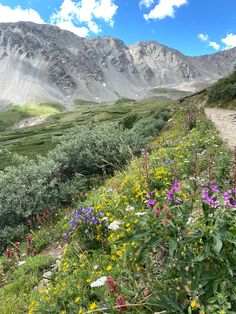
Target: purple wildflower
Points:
(151, 203)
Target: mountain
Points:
(45, 63)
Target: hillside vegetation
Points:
(40, 139)
(223, 93)
(157, 237)
(84, 154)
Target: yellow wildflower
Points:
(31, 308)
(113, 257)
(194, 304)
(88, 281)
(92, 306)
(109, 267)
(77, 300)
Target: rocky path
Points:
(225, 122)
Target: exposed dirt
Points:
(225, 122)
(30, 122)
(55, 250)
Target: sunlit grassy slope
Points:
(39, 139)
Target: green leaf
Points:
(217, 244)
(172, 247)
(153, 241)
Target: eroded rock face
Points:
(45, 63)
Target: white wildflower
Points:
(99, 282)
(21, 263)
(140, 214)
(129, 208)
(114, 225)
(104, 218)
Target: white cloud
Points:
(146, 3)
(214, 45)
(72, 14)
(203, 37)
(16, 14)
(229, 41)
(69, 26)
(165, 8)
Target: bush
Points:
(87, 152)
(224, 90)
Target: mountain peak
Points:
(41, 62)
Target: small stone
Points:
(47, 275)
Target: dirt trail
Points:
(225, 122)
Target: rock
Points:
(42, 284)
(47, 275)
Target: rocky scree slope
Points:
(43, 62)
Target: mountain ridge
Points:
(41, 62)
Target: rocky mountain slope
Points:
(45, 63)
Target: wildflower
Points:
(92, 306)
(194, 304)
(21, 263)
(9, 253)
(140, 214)
(213, 187)
(17, 248)
(77, 300)
(151, 203)
(88, 281)
(129, 208)
(28, 239)
(109, 267)
(114, 225)
(112, 286)
(120, 304)
(99, 282)
(32, 306)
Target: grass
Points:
(82, 102)
(171, 91)
(231, 105)
(16, 114)
(38, 139)
(14, 296)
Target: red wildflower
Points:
(9, 253)
(17, 248)
(28, 239)
(112, 286)
(158, 212)
(120, 304)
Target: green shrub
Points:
(87, 152)
(224, 90)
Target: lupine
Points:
(84, 216)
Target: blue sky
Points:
(194, 27)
